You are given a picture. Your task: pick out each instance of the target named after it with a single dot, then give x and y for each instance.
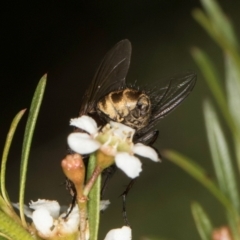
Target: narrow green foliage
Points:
(94, 200)
(218, 27)
(11, 229)
(203, 223)
(29, 130)
(5, 156)
(220, 155)
(219, 21)
(222, 163)
(233, 97)
(212, 78)
(233, 89)
(4, 237)
(3, 204)
(200, 175)
(4, 207)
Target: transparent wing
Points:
(169, 97)
(110, 75)
(166, 99)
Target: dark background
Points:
(67, 40)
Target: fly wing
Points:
(166, 99)
(110, 75)
(169, 97)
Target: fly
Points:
(109, 98)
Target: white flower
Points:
(134, 166)
(43, 221)
(82, 143)
(48, 221)
(115, 139)
(52, 207)
(85, 122)
(124, 233)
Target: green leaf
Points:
(13, 230)
(233, 88)
(222, 163)
(233, 97)
(221, 156)
(28, 135)
(218, 27)
(201, 175)
(212, 79)
(5, 156)
(219, 21)
(94, 200)
(9, 211)
(203, 223)
(4, 237)
(3, 204)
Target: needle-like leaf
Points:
(28, 135)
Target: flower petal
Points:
(43, 221)
(52, 207)
(124, 233)
(86, 123)
(71, 224)
(145, 151)
(131, 165)
(26, 209)
(82, 143)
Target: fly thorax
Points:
(105, 106)
(113, 106)
(129, 106)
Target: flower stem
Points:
(97, 171)
(82, 205)
(82, 201)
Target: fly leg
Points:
(70, 187)
(74, 198)
(153, 138)
(149, 139)
(109, 172)
(124, 202)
